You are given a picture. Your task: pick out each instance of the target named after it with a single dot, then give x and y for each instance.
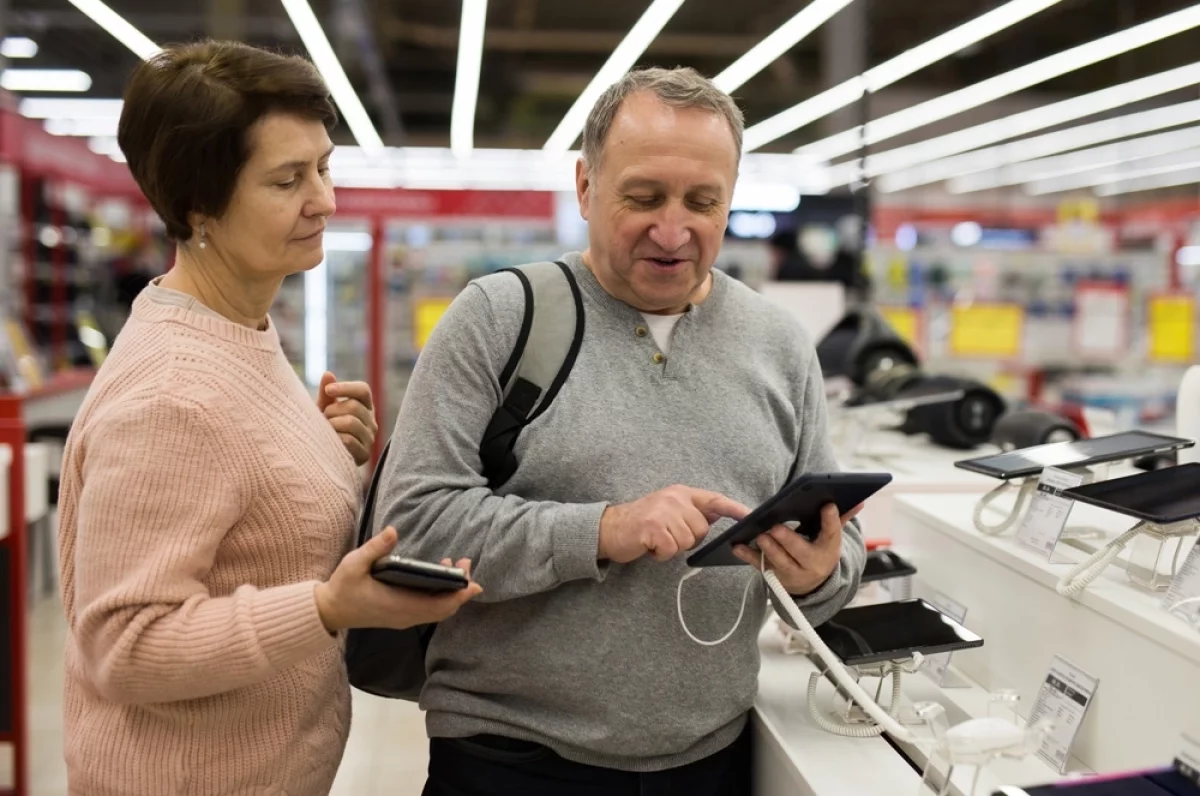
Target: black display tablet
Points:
(1157, 782)
(1159, 496)
(1025, 462)
(893, 631)
(799, 502)
(885, 564)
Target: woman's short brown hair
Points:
(187, 115)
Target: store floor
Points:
(387, 751)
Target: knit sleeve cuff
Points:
(577, 543)
(289, 626)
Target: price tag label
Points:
(936, 666)
(1064, 699)
(1043, 523)
(1172, 328)
(1187, 763)
(1183, 598)
(987, 331)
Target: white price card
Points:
(1183, 598)
(936, 666)
(1066, 693)
(1043, 523)
(1187, 762)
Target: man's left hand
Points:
(349, 408)
(801, 566)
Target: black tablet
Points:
(1159, 496)
(1025, 462)
(799, 502)
(893, 631)
(884, 565)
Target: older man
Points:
(691, 398)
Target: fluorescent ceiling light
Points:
(644, 31)
(18, 47)
(1020, 124)
(1077, 163)
(1148, 168)
(1042, 145)
(45, 108)
(1005, 84)
(89, 128)
(1135, 184)
(891, 71)
(466, 81)
(45, 80)
(787, 36)
(118, 27)
(330, 68)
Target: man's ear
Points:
(583, 187)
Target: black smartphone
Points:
(409, 573)
(885, 564)
(799, 502)
(893, 631)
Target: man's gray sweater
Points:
(588, 657)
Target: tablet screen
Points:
(1031, 461)
(1162, 496)
(873, 633)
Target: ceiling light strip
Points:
(326, 61)
(466, 80)
(983, 160)
(1164, 163)
(785, 37)
(48, 80)
(623, 58)
(1005, 84)
(893, 70)
(1079, 162)
(118, 27)
(1172, 179)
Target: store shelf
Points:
(1145, 659)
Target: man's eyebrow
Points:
(299, 164)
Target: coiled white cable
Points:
(1026, 490)
(1086, 571)
(762, 566)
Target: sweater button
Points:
(641, 331)
(659, 358)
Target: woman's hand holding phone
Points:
(353, 598)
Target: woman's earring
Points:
(203, 237)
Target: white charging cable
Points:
(762, 568)
(1086, 571)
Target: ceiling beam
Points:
(567, 41)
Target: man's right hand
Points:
(662, 524)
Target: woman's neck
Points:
(214, 285)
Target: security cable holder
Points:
(1152, 541)
(1028, 486)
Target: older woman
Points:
(208, 505)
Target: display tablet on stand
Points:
(1026, 462)
(1161, 497)
(893, 631)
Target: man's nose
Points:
(672, 230)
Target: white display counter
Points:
(1147, 661)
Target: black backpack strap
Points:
(366, 518)
(546, 349)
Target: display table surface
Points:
(794, 755)
(1147, 662)
(917, 466)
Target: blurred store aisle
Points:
(387, 751)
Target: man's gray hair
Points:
(682, 87)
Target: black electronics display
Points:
(893, 631)
(800, 502)
(411, 574)
(1098, 450)
(1159, 496)
(1157, 782)
(884, 564)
